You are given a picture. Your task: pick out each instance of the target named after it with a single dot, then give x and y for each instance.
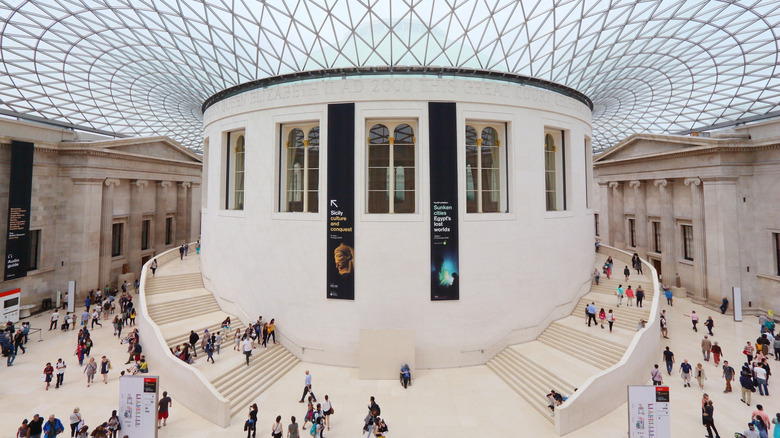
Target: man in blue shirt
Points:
(53, 427)
(307, 389)
(685, 371)
(591, 309)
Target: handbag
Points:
(43, 377)
(330, 412)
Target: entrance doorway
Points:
(657, 265)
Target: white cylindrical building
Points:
(454, 207)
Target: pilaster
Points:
(640, 216)
(699, 255)
(668, 247)
(136, 217)
(182, 212)
(160, 212)
(106, 228)
(616, 215)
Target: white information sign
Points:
(648, 412)
(138, 406)
(736, 300)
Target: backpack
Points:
(383, 427)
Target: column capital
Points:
(693, 182)
(634, 184)
(141, 184)
(614, 184)
(164, 184)
(111, 181)
(185, 184)
(660, 183)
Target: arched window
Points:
(484, 179)
(391, 192)
(550, 175)
(238, 155)
(301, 155)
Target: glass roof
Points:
(145, 67)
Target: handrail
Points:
(528, 326)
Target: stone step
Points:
(177, 304)
(254, 388)
(573, 346)
(530, 395)
(167, 319)
(600, 346)
(178, 339)
(183, 309)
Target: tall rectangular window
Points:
(145, 227)
(687, 241)
(485, 168)
(596, 220)
(116, 239)
(632, 233)
(391, 167)
(555, 169)
(168, 230)
(35, 250)
(776, 240)
(300, 164)
(588, 170)
(234, 175)
(657, 236)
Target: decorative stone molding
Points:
(164, 184)
(111, 181)
(694, 181)
(185, 184)
(634, 184)
(613, 185)
(660, 183)
(141, 184)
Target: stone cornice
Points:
(693, 151)
(67, 149)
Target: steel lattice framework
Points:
(145, 67)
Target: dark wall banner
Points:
(341, 201)
(445, 272)
(17, 244)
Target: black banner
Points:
(17, 244)
(341, 201)
(445, 272)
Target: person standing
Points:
(728, 374)
(23, 431)
(153, 267)
(194, 342)
(292, 429)
(48, 371)
(53, 427)
(162, 410)
(181, 252)
(640, 295)
(75, 419)
(276, 428)
(669, 359)
(105, 366)
(669, 296)
(619, 292)
(596, 276)
(685, 373)
(271, 330)
(608, 265)
(706, 346)
(656, 375)
(749, 351)
(610, 319)
(761, 377)
(724, 305)
(664, 330)
(36, 426)
(626, 272)
(602, 317)
(707, 420)
(759, 413)
(700, 375)
(209, 349)
(60, 372)
(90, 371)
(307, 388)
(746, 382)
(630, 295)
(327, 411)
(114, 425)
(716, 352)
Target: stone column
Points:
(194, 215)
(160, 212)
(182, 218)
(668, 248)
(723, 271)
(617, 225)
(640, 216)
(699, 255)
(84, 209)
(604, 229)
(106, 228)
(136, 219)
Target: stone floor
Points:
(461, 402)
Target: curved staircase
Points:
(568, 352)
(177, 302)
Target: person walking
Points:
(292, 429)
(75, 419)
(327, 411)
(610, 319)
(90, 370)
(247, 346)
(48, 371)
(749, 351)
(609, 265)
(217, 338)
(53, 427)
(669, 296)
(307, 388)
(685, 373)
(709, 323)
(602, 317)
(591, 311)
(626, 272)
(596, 276)
(656, 375)
(708, 421)
(761, 377)
(194, 342)
(209, 349)
(746, 382)
(669, 359)
(272, 330)
(664, 329)
(237, 340)
(716, 352)
(276, 428)
(706, 346)
(630, 296)
(619, 292)
(153, 267)
(728, 374)
(162, 410)
(105, 366)
(694, 320)
(60, 366)
(724, 305)
(700, 375)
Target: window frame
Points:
(596, 218)
(392, 123)
(285, 129)
(231, 152)
(777, 252)
(560, 152)
(146, 233)
(655, 228)
(501, 129)
(686, 241)
(117, 239)
(35, 250)
(631, 225)
(170, 230)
